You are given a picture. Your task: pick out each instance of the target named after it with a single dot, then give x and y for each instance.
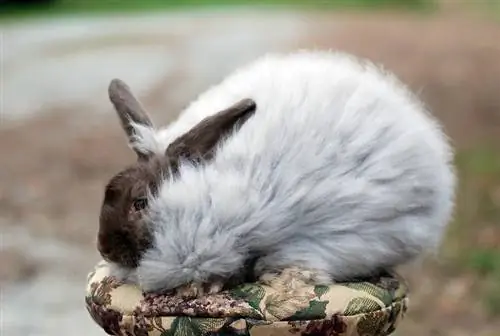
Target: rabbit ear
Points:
(130, 112)
(197, 144)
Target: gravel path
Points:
(72, 60)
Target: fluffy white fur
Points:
(341, 169)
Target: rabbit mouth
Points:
(122, 253)
(125, 261)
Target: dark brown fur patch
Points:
(123, 234)
(198, 144)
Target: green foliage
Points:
(492, 295)
(482, 160)
(472, 242)
(485, 262)
(98, 6)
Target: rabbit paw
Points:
(195, 290)
(295, 277)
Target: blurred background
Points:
(60, 140)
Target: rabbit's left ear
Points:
(198, 143)
(131, 113)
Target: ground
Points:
(60, 141)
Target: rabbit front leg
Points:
(278, 270)
(294, 277)
(197, 289)
(304, 275)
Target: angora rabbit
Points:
(311, 160)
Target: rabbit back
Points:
(341, 169)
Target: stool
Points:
(369, 307)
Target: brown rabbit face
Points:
(124, 234)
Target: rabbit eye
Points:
(140, 203)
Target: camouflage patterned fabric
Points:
(371, 307)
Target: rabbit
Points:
(318, 161)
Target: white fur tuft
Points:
(145, 140)
(341, 169)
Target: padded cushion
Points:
(372, 307)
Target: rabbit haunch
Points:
(340, 170)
